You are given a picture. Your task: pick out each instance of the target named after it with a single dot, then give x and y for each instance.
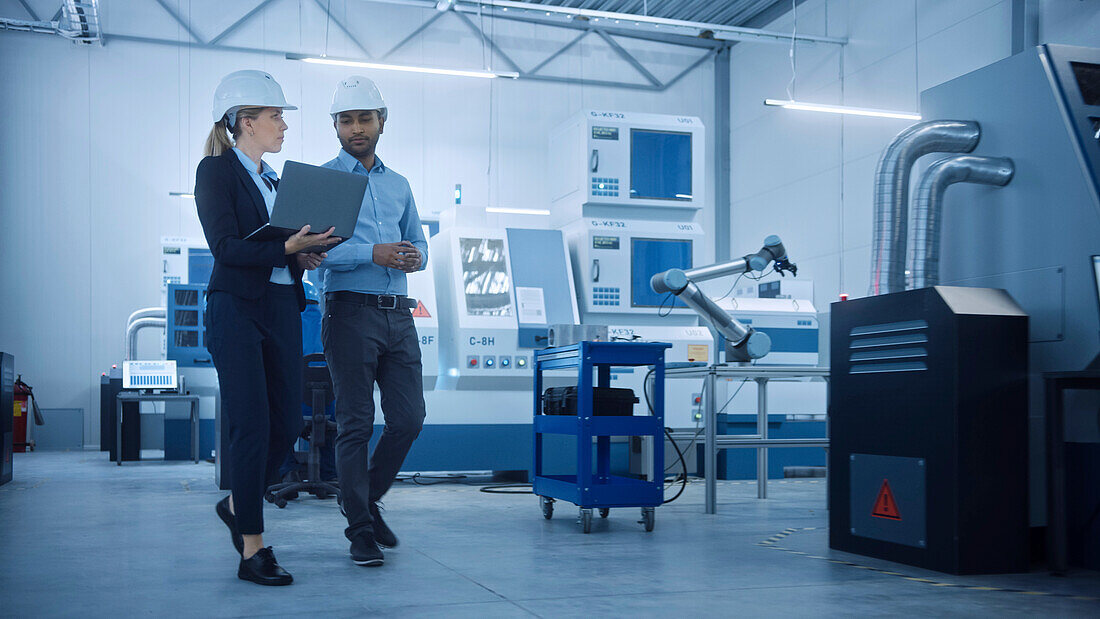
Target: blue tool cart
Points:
(600, 489)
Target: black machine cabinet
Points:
(110, 385)
(7, 421)
(928, 404)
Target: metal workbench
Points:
(762, 375)
(131, 396)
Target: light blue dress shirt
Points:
(388, 215)
(280, 275)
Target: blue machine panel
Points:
(186, 329)
(538, 261)
(200, 262)
(649, 256)
(660, 165)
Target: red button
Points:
(473, 362)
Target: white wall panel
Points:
(983, 34)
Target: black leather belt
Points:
(381, 301)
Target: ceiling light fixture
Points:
(349, 62)
(517, 211)
(791, 104)
(181, 194)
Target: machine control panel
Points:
(653, 163)
(608, 187)
(613, 260)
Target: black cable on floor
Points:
(507, 489)
(434, 479)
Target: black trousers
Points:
(256, 345)
(365, 345)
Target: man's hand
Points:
(413, 259)
(401, 256)
(310, 261)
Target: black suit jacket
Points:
(230, 208)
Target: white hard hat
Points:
(248, 88)
(357, 93)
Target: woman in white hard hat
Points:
(254, 301)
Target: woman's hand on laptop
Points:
(304, 240)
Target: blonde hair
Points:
(219, 141)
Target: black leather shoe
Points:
(230, 521)
(382, 533)
(364, 551)
(262, 569)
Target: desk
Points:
(761, 374)
(130, 396)
(1055, 385)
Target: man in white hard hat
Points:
(368, 330)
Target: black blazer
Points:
(230, 207)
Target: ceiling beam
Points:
(175, 16)
(29, 10)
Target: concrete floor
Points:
(80, 536)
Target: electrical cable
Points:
(661, 307)
(728, 292)
(507, 489)
(436, 479)
(682, 477)
(792, 52)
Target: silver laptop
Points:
(321, 197)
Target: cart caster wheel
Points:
(604, 511)
(648, 517)
(586, 520)
(280, 502)
(269, 497)
(547, 505)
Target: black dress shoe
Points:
(262, 569)
(382, 533)
(364, 551)
(230, 521)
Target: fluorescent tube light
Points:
(348, 62)
(841, 109)
(684, 196)
(517, 211)
(181, 194)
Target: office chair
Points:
(320, 431)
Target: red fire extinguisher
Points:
(24, 405)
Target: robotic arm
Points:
(744, 343)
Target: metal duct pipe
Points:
(924, 241)
(892, 192)
(133, 329)
(147, 312)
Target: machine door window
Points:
(649, 257)
(660, 165)
(485, 277)
(1088, 80)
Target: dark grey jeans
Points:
(365, 345)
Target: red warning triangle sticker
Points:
(885, 505)
(421, 311)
